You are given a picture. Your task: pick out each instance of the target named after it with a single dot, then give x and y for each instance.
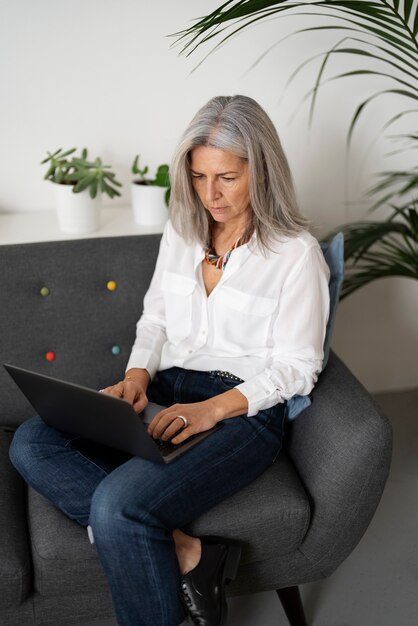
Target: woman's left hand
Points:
(200, 416)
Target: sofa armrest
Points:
(341, 447)
(15, 567)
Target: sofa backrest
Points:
(86, 326)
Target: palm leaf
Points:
(407, 9)
(377, 135)
(373, 249)
(411, 65)
(312, 92)
(387, 24)
(361, 107)
(337, 50)
(374, 12)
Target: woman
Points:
(233, 326)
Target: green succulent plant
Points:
(161, 179)
(81, 173)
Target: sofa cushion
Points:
(270, 515)
(334, 256)
(15, 567)
(64, 561)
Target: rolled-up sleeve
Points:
(298, 336)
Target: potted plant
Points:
(79, 184)
(367, 31)
(150, 196)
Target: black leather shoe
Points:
(203, 589)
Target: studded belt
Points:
(227, 375)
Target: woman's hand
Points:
(200, 416)
(132, 391)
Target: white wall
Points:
(101, 74)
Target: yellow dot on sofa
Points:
(44, 291)
(111, 285)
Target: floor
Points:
(378, 584)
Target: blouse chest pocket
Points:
(247, 303)
(178, 292)
(246, 318)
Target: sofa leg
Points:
(292, 605)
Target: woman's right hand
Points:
(131, 390)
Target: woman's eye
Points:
(197, 176)
(227, 179)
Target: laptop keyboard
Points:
(166, 447)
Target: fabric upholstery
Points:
(57, 540)
(23, 615)
(276, 511)
(63, 610)
(297, 521)
(341, 449)
(275, 508)
(15, 566)
(71, 609)
(81, 320)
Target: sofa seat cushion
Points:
(270, 515)
(15, 566)
(64, 561)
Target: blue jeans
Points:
(133, 505)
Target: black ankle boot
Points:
(203, 589)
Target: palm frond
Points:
(368, 30)
(375, 250)
(386, 24)
(390, 22)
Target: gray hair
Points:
(239, 125)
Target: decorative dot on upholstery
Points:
(44, 291)
(111, 285)
(50, 356)
(116, 350)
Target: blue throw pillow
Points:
(334, 256)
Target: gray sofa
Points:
(297, 522)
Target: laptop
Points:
(99, 417)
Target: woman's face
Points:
(220, 179)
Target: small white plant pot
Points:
(148, 204)
(78, 213)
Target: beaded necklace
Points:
(220, 260)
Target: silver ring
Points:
(186, 423)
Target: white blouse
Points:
(264, 321)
